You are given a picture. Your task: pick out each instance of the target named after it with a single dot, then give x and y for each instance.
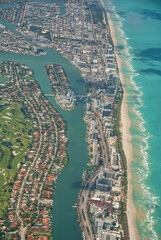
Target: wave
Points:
(151, 203)
(147, 199)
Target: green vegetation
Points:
(89, 87)
(90, 170)
(14, 146)
(49, 234)
(119, 140)
(100, 16)
(90, 215)
(83, 214)
(38, 235)
(88, 230)
(40, 32)
(123, 220)
(97, 12)
(123, 215)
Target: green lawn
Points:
(14, 146)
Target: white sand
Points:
(127, 146)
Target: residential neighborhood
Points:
(64, 96)
(31, 200)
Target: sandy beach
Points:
(127, 146)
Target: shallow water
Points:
(138, 32)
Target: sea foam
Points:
(147, 199)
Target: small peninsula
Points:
(64, 96)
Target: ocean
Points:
(137, 25)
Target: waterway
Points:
(65, 224)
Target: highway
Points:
(83, 206)
(103, 143)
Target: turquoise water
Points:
(137, 25)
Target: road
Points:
(82, 206)
(103, 143)
(22, 228)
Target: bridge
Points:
(49, 95)
(77, 96)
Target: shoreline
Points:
(126, 142)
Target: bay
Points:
(65, 224)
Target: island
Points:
(64, 96)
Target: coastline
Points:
(126, 142)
